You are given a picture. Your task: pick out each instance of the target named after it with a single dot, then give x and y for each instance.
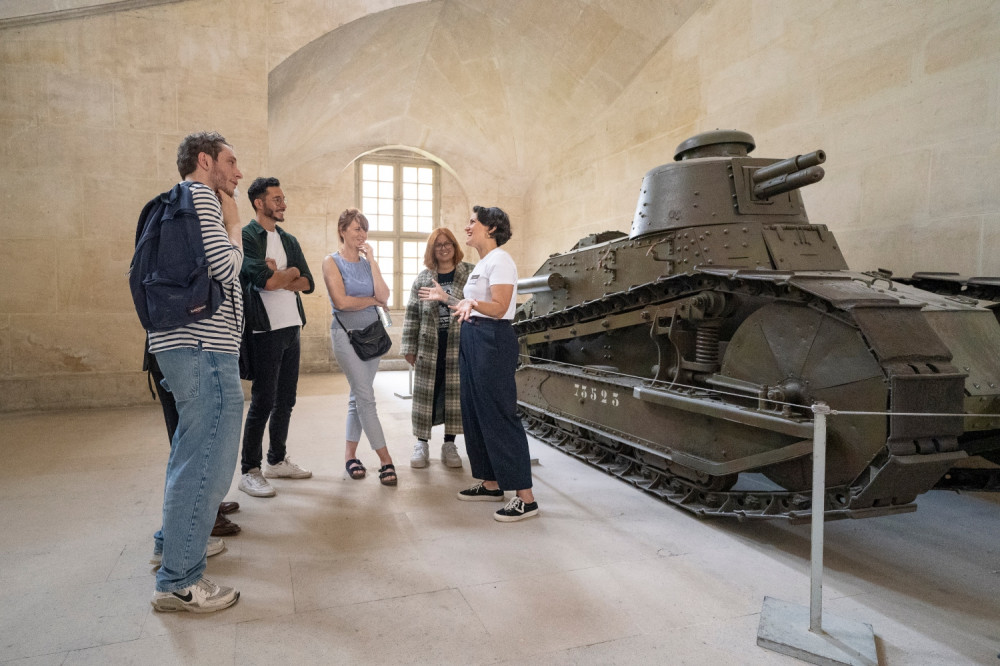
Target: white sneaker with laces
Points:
(202, 597)
(254, 484)
(449, 455)
(286, 469)
(421, 455)
(215, 546)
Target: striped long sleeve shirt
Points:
(222, 331)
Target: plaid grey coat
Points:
(420, 337)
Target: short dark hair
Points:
(347, 218)
(210, 143)
(258, 188)
(496, 221)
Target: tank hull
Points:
(686, 357)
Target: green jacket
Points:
(255, 273)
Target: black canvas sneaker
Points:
(479, 493)
(516, 509)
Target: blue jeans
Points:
(272, 397)
(362, 414)
(206, 387)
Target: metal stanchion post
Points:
(820, 410)
(410, 394)
(783, 627)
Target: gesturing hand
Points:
(463, 311)
(435, 293)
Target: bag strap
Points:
(337, 264)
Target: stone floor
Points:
(335, 571)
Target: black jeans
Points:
(272, 397)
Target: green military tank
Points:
(685, 356)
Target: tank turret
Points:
(713, 182)
(685, 356)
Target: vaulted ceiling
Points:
(497, 82)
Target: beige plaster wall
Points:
(553, 110)
(903, 96)
(91, 113)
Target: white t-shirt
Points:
(497, 267)
(282, 310)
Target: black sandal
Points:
(355, 469)
(386, 471)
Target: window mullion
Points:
(397, 225)
(396, 240)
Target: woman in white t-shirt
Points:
(494, 437)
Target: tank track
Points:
(623, 461)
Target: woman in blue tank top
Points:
(356, 288)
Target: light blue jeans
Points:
(206, 386)
(361, 412)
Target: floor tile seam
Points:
(471, 609)
(139, 638)
(80, 648)
(114, 566)
(65, 653)
(436, 590)
(291, 581)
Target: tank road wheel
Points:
(804, 356)
(716, 484)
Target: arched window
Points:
(400, 194)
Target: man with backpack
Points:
(274, 272)
(200, 365)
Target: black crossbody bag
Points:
(369, 342)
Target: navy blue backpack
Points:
(170, 278)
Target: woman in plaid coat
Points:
(430, 345)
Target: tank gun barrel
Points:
(788, 182)
(797, 163)
(540, 283)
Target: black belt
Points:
(478, 321)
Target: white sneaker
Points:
(215, 546)
(285, 469)
(449, 455)
(202, 597)
(254, 484)
(421, 456)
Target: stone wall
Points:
(553, 110)
(904, 97)
(91, 114)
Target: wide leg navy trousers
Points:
(494, 436)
